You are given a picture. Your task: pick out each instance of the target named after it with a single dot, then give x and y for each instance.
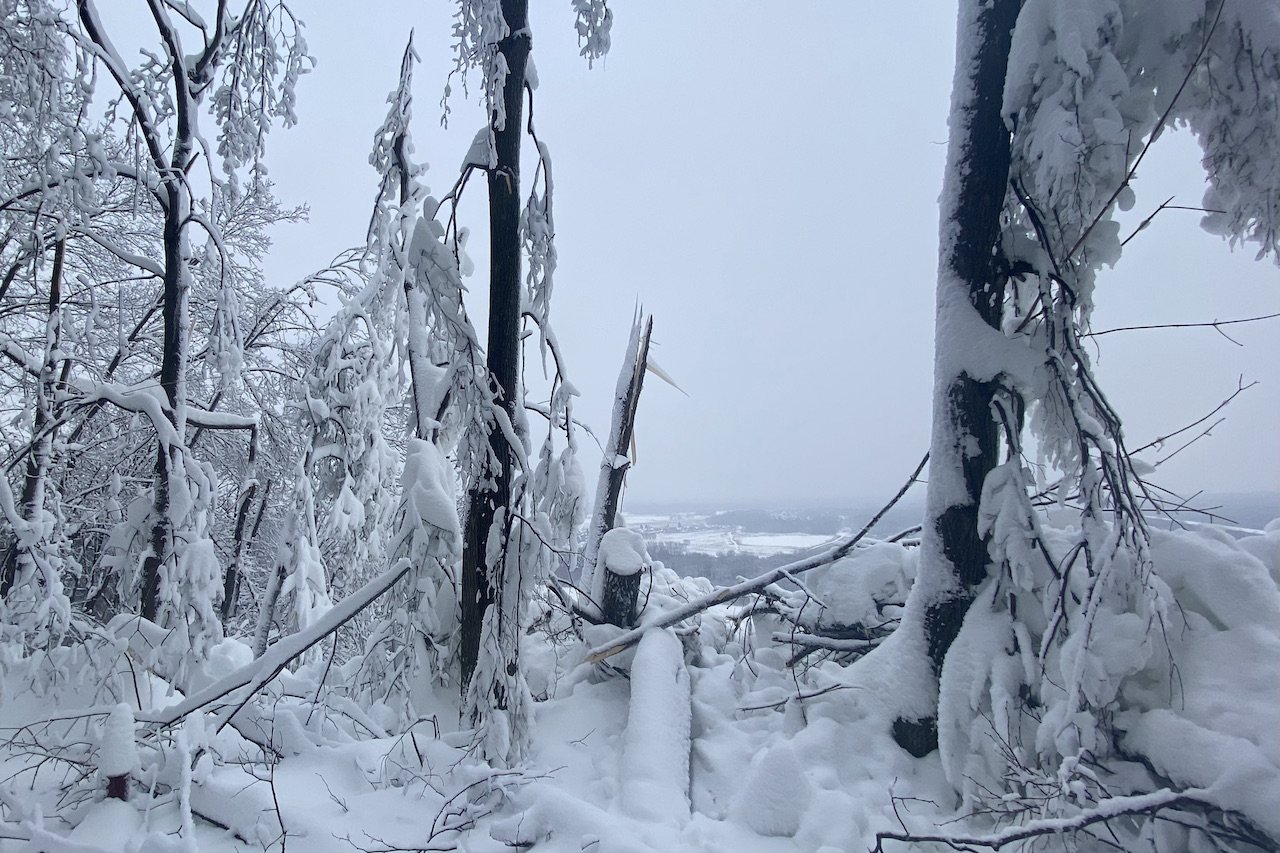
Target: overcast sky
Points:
(764, 179)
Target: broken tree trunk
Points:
(613, 474)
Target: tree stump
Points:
(621, 559)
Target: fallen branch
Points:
(1109, 809)
(258, 674)
(36, 837)
(729, 593)
(833, 644)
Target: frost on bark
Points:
(970, 294)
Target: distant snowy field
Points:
(718, 541)
(721, 543)
(745, 532)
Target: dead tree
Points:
(616, 593)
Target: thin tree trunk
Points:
(42, 428)
(172, 364)
(503, 353)
(243, 535)
(965, 438)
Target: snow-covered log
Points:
(655, 748)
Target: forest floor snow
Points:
(764, 772)
(762, 775)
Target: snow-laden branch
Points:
(96, 43)
(1108, 809)
(130, 399)
(253, 677)
(729, 593)
(38, 838)
(142, 262)
(94, 171)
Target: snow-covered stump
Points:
(118, 752)
(655, 746)
(621, 559)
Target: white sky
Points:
(764, 179)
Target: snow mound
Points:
(117, 750)
(622, 551)
(851, 588)
(776, 794)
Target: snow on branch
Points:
(1150, 805)
(254, 676)
(594, 23)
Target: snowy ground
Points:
(706, 746)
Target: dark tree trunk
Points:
(619, 596)
(172, 362)
(503, 354)
(244, 534)
(118, 787)
(966, 441)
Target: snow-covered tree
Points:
(109, 170)
(514, 511)
(1032, 637)
(404, 334)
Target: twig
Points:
(1156, 442)
(1167, 204)
(816, 693)
(1212, 325)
